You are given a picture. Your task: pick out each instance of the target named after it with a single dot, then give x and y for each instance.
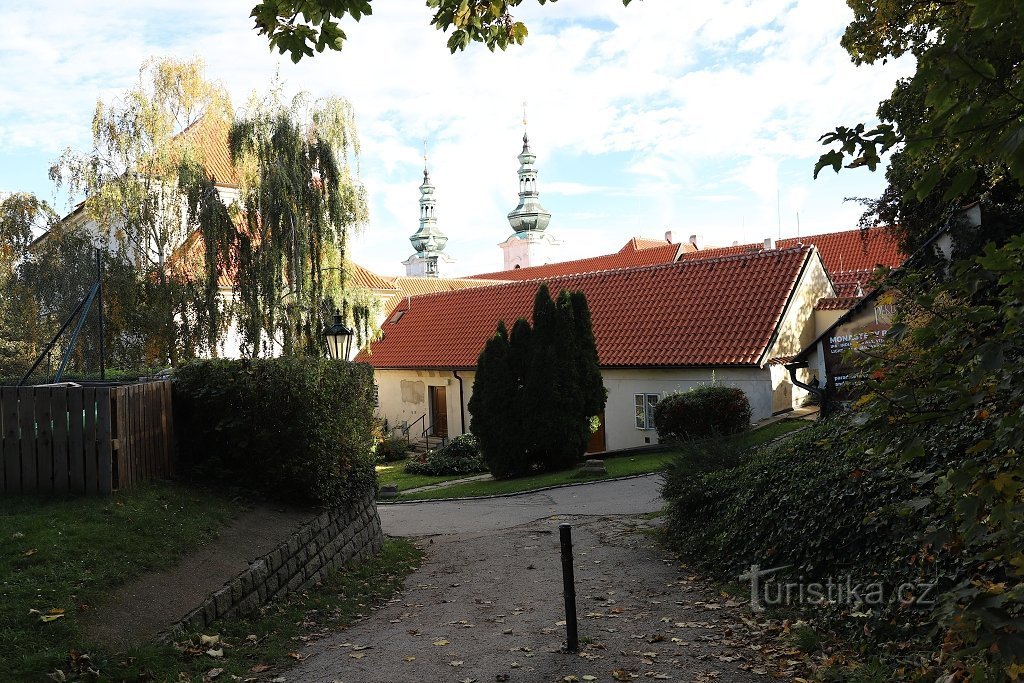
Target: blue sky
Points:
(699, 118)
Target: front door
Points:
(439, 411)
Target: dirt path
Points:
(486, 606)
(142, 608)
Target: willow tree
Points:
(284, 242)
(131, 179)
(21, 214)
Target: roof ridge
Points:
(649, 267)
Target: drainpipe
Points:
(462, 403)
(817, 391)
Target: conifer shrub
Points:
(702, 412)
(295, 429)
(537, 389)
(461, 455)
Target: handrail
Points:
(408, 428)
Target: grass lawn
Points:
(58, 555)
(270, 643)
(394, 473)
(617, 466)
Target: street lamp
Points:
(339, 338)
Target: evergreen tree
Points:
(535, 391)
(491, 406)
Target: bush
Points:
(461, 455)
(295, 429)
(392, 448)
(702, 412)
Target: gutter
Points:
(817, 391)
(462, 402)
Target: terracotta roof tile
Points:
(357, 276)
(210, 136)
(414, 286)
(692, 313)
(628, 257)
(837, 303)
(850, 250)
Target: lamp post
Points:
(339, 338)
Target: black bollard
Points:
(572, 641)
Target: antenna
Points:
(424, 154)
(778, 210)
(797, 223)
(524, 115)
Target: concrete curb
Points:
(517, 493)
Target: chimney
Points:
(668, 236)
(769, 243)
(695, 241)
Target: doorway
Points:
(597, 440)
(439, 411)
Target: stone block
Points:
(250, 604)
(209, 611)
(236, 590)
(262, 593)
(259, 570)
(222, 598)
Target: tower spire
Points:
(428, 241)
(529, 215)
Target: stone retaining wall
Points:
(326, 543)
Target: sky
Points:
(695, 118)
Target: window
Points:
(376, 396)
(644, 404)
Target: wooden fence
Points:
(85, 439)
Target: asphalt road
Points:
(611, 497)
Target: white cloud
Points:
(662, 114)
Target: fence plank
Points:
(44, 440)
(89, 440)
(133, 436)
(167, 423)
(143, 394)
(120, 398)
(59, 413)
(76, 441)
(27, 420)
(104, 445)
(152, 427)
(11, 437)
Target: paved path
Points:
(610, 497)
(487, 603)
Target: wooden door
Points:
(597, 443)
(439, 410)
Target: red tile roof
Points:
(693, 313)
(629, 256)
(837, 303)
(210, 137)
(357, 276)
(414, 286)
(850, 250)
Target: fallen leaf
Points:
(52, 615)
(29, 552)
(212, 674)
(219, 652)
(209, 640)
(357, 655)
(260, 668)
(410, 658)
(440, 643)
(298, 656)
(455, 662)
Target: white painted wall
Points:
(407, 403)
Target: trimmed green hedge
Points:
(702, 412)
(295, 429)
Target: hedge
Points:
(461, 455)
(702, 412)
(295, 429)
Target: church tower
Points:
(428, 241)
(529, 244)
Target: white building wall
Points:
(404, 396)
